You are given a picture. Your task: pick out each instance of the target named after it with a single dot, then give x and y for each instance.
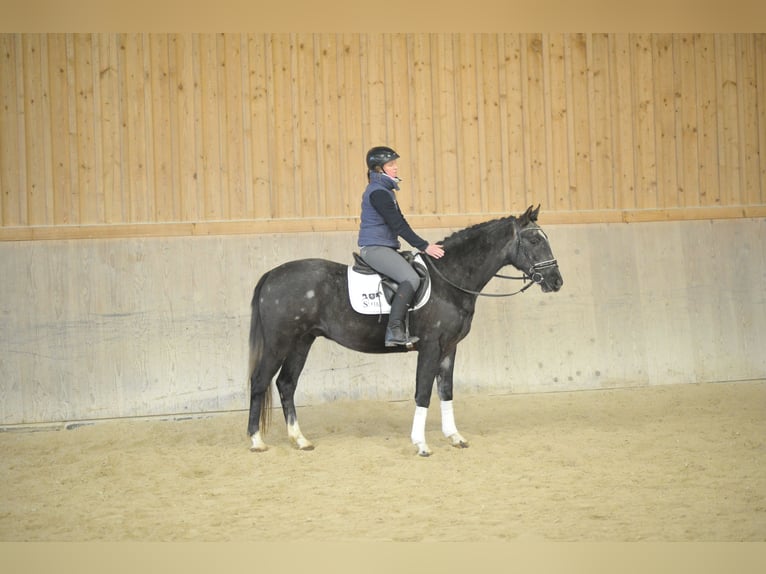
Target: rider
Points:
(382, 223)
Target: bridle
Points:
(532, 274)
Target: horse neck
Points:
(473, 260)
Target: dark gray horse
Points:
(298, 301)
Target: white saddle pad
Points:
(365, 293)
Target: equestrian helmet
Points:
(379, 156)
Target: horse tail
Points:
(257, 342)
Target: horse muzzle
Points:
(547, 275)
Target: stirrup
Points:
(393, 338)
(408, 342)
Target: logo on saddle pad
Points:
(371, 294)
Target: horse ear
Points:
(530, 214)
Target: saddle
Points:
(366, 285)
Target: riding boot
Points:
(396, 332)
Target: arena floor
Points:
(668, 463)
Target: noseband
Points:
(533, 274)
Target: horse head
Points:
(532, 253)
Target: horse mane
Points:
(487, 228)
(483, 229)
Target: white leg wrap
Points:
(295, 435)
(419, 425)
(448, 419)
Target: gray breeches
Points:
(387, 261)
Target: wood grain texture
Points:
(102, 132)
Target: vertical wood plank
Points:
(10, 183)
(601, 122)
(728, 120)
(22, 192)
(403, 131)
(109, 104)
(579, 118)
(373, 72)
(219, 105)
(490, 126)
(196, 204)
(73, 201)
(747, 119)
(281, 110)
(666, 105)
(261, 127)
(445, 175)
(558, 120)
(233, 126)
(621, 79)
(421, 195)
(44, 79)
(707, 109)
(512, 122)
(687, 129)
(388, 75)
(353, 145)
(760, 111)
(334, 181)
(91, 198)
(134, 126)
(536, 154)
(148, 72)
(165, 199)
(307, 177)
(59, 113)
(210, 159)
(467, 127)
(175, 96)
(98, 121)
(747, 127)
(182, 120)
(35, 132)
(644, 121)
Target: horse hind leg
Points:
(260, 401)
(287, 381)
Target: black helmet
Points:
(380, 155)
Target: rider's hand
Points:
(435, 251)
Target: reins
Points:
(479, 293)
(534, 276)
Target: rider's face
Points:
(391, 168)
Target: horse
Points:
(298, 301)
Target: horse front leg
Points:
(444, 388)
(424, 382)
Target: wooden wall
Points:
(106, 135)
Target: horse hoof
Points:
(423, 449)
(302, 443)
(458, 441)
(257, 444)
